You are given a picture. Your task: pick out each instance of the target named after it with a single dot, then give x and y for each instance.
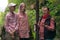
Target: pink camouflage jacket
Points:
(23, 26)
(10, 22)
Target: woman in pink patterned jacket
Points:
(23, 23)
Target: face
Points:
(45, 10)
(22, 7)
(12, 8)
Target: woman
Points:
(23, 23)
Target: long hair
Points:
(20, 6)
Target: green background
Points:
(54, 6)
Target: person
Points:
(46, 25)
(10, 22)
(23, 23)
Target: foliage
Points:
(32, 20)
(54, 6)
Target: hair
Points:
(22, 4)
(46, 7)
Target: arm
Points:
(51, 27)
(6, 23)
(17, 22)
(37, 24)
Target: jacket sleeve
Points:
(51, 27)
(6, 24)
(17, 22)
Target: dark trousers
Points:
(24, 39)
(7, 36)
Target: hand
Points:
(46, 25)
(12, 34)
(13, 31)
(34, 28)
